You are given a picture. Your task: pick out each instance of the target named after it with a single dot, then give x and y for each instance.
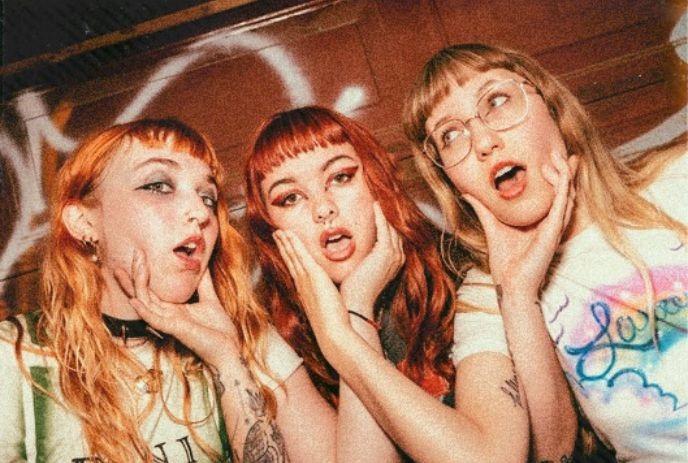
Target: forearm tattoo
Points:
(217, 382)
(563, 459)
(512, 389)
(264, 442)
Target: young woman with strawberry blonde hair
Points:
(355, 283)
(147, 308)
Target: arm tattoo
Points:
(217, 382)
(563, 459)
(264, 443)
(511, 388)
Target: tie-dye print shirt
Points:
(633, 389)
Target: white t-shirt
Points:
(34, 428)
(476, 332)
(634, 392)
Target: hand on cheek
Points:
(204, 327)
(519, 258)
(319, 296)
(363, 285)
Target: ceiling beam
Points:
(128, 33)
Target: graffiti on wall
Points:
(25, 158)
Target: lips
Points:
(190, 251)
(509, 179)
(337, 244)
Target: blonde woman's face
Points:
(163, 203)
(322, 196)
(503, 168)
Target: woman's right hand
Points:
(320, 298)
(519, 259)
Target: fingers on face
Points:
(125, 282)
(286, 250)
(388, 237)
(486, 218)
(206, 289)
(381, 224)
(140, 276)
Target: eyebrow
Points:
(335, 159)
(487, 84)
(288, 180)
(166, 161)
(175, 165)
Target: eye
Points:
(287, 199)
(498, 99)
(448, 134)
(343, 176)
(209, 201)
(158, 187)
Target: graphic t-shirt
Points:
(36, 428)
(629, 375)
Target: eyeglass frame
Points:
(477, 116)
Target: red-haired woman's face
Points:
(322, 196)
(163, 203)
(502, 169)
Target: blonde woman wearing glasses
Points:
(572, 249)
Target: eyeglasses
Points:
(500, 108)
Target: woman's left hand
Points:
(363, 285)
(519, 259)
(204, 327)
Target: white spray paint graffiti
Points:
(25, 160)
(674, 125)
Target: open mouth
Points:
(337, 244)
(509, 180)
(190, 251)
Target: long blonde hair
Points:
(608, 187)
(71, 327)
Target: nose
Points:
(197, 211)
(484, 139)
(324, 210)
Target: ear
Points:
(77, 219)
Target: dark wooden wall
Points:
(625, 59)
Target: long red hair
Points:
(420, 299)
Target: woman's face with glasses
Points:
(491, 136)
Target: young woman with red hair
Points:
(147, 308)
(355, 283)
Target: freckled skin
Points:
(313, 192)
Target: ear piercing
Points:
(92, 244)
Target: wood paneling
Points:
(616, 56)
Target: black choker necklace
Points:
(129, 329)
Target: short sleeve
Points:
(280, 359)
(11, 409)
(477, 293)
(478, 326)
(668, 191)
(476, 332)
